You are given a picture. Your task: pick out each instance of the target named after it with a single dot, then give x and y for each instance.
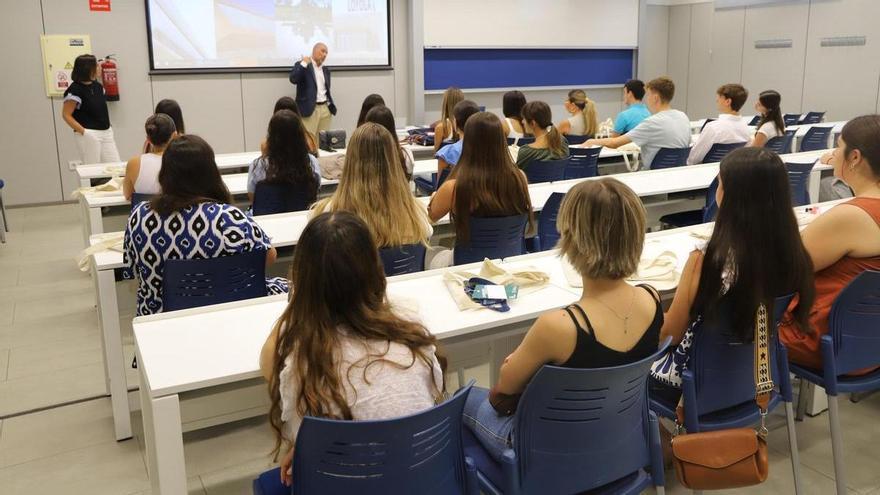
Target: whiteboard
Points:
(532, 24)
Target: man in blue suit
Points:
(312, 80)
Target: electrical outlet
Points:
(72, 164)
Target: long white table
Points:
(188, 355)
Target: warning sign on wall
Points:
(59, 52)
(99, 5)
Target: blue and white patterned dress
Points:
(205, 230)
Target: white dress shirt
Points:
(319, 80)
(727, 129)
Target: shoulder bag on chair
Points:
(731, 458)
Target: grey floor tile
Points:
(4, 364)
(57, 387)
(60, 355)
(235, 480)
(83, 325)
(193, 487)
(54, 308)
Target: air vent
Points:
(762, 44)
(844, 41)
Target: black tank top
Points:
(590, 353)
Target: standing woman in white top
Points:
(444, 131)
(511, 106)
(339, 350)
(142, 172)
(583, 120)
(771, 124)
(85, 111)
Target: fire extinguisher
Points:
(109, 78)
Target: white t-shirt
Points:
(727, 129)
(666, 129)
(319, 81)
(576, 125)
(769, 130)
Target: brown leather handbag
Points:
(732, 458)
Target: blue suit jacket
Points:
(307, 88)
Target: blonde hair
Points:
(451, 97)
(587, 107)
(374, 187)
(601, 225)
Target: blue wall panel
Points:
(521, 68)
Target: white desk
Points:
(226, 162)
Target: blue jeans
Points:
(493, 431)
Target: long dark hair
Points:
(172, 109)
(337, 283)
(755, 244)
(286, 103)
(487, 181)
(771, 100)
(539, 113)
(512, 104)
(383, 116)
(188, 176)
(159, 128)
(287, 153)
(370, 102)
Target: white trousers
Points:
(97, 146)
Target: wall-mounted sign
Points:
(59, 52)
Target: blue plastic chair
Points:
(546, 170)
(719, 150)
(281, 198)
(578, 430)
(574, 139)
(3, 225)
(704, 215)
(812, 118)
(491, 237)
(583, 162)
(525, 140)
(799, 180)
(816, 138)
(852, 344)
(781, 144)
(200, 282)
(421, 453)
(138, 198)
(430, 186)
(719, 385)
(670, 157)
(705, 123)
(398, 260)
(755, 120)
(547, 235)
(790, 119)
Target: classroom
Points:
(410, 246)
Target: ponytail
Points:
(771, 100)
(554, 142)
(591, 120)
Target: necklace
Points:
(626, 317)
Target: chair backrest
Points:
(547, 221)
(816, 138)
(781, 144)
(578, 429)
(853, 324)
(525, 140)
(409, 258)
(799, 180)
(194, 283)
(272, 198)
(575, 139)
(813, 118)
(670, 157)
(582, 162)
(491, 237)
(755, 120)
(705, 123)
(421, 453)
(791, 119)
(724, 369)
(546, 170)
(711, 207)
(138, 198)
(719, 150)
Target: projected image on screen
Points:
(246, 34)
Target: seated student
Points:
(339, 350)
(583, 120)
(612, 324)
(286, 158)
(511, 106)
(636, 111)
(374, 188)
(728, 128)
(142, 172)
(771, 124)
(485, 183)
(192, 218)
(449, 155)
(665, 128)
(444, 130)
(843, 242)
(549, 143)
(370, 102)
(383, 116)
(172, 109)
(288, 103)
(755, 254)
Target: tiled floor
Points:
(50, 354)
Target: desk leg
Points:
(815, 180)
(114, 358)
(817, 401)
(96, 222)
(86, 226)
(163, 436)
(85, 183)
